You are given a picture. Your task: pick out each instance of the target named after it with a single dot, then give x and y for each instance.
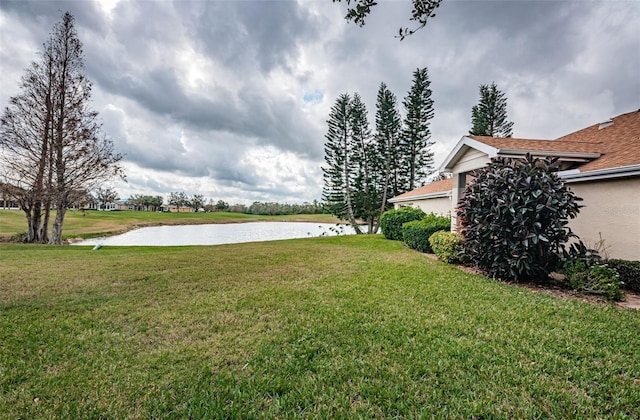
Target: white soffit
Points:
(463, 145)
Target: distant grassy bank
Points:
(332, 327)
(97, 223)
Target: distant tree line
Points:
(146, 202)
(105, 195)
(271, 208)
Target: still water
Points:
(217, 234)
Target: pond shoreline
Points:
(194, 234)
(74, 240)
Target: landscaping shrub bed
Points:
(594, 279)
(447, 246)
(416, 234)
(392, 220)
(629, 272)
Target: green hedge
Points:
(447, 246)
(629, 272)
(392, 220)
(416, 234)
(596, 279)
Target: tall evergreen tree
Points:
(489, 117)
(366, 197)
(339, 168)
(416, 156)
(388, 130)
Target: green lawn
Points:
(332, 327)
(92, 223)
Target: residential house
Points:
(175, 209)
(431, 198)
(600, 163)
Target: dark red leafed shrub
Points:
(515, 218)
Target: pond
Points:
(217, 234)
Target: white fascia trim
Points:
(461, 148)
(421, 197)
(609, 173)
(577, 156)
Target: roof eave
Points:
(464, 144)
(566, 156)
(438, 194)
(599, 174)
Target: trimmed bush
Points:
(416, 234)
(514, 218)
(392, 220)
(447, 246)
(596, 279)
(629, 272)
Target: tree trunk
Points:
(385, 188)
(31, 228)
(44, 229)
(347, 185)
(56, 232)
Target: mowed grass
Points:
(95, 223)
(332, 327)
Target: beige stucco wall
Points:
(612, 208)
(472, 159)
(440, 206)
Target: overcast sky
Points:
(229, 99)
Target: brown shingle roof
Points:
(444, 185)
(540, 145)
(618, 142)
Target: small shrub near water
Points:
(416, 234)
(19, 238)
(392, 220)
(447, 246)
(596, 279)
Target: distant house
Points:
(93, 204)
(600, 163)
(175, 209)
(120, 205)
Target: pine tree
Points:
(339, 172)
(416, 156)
(489, 117)
(388, 129)
(365, 198)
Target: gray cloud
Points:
(213, 97)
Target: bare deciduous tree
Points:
(51, 144)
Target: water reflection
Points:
(217, 234)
